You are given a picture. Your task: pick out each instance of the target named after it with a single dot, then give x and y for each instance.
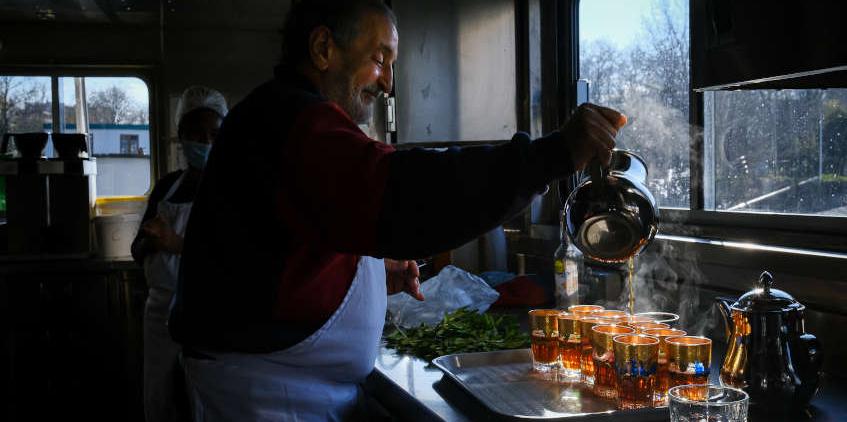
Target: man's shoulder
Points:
(278, 95)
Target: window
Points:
(129, 145)
(25, 105)
(114, 114)
(777, 151)
(119, 125)
(635, 56)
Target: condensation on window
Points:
(635, 55)
(777, 151)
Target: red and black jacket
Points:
(294, 193)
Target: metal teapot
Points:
(769, 354)
(611, 216)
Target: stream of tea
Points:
(629, 281)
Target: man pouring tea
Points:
(302, 224)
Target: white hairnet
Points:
(195, 97)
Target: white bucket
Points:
(115, 234)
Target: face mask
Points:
(196, 153)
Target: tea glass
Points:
(636, 365)
(640, 327)
(689, 403)
(603, 355)
(570, 347)
(586, 362)
(689, 360)
(666, 317)
(660, 396)
(544, 340)
(584, 310)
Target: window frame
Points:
(808, 232)
(145, 73)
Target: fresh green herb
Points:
(461, 331)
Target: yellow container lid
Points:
(106, 200)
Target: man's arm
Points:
(436, 201)
(365, 198)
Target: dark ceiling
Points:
(246, 14)
(80, 11)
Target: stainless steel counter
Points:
(411, 390)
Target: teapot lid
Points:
(764, 298)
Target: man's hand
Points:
(163, 237)
(402, 276)
(591, 133)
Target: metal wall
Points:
(455, 74)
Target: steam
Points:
(666, 282)
(660, 133)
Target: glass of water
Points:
(707, 403)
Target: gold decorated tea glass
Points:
(584, 310)
(586, 361)
(544, 340)
(689, 360)
(666, 317)
(636, 365)
(570, 347)
(603, 355)
(660, 395)
(633, 320)
(640, 327)
(615, 315)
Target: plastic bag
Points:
(448, 291)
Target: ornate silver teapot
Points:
(611, 216)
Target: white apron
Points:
(315, 380)
(161, 353)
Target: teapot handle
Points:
(808, 361)
(598, 178)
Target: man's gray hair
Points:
(342, 17)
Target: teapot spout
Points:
(724, 303)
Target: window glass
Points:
(25, 105)
(635, 55)
(779, 151)
(455, 74)
(119, 125)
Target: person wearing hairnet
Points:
(158, 247)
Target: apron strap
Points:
(175, 186)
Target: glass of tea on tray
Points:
(584, 310)
(660, 395)
(586, 361)
(665, 317)
(636, 365)
(544, 339)
(633, 320)
(641, 327)
(602, 343)
(615, 315)
(689, 360)
(570, 347)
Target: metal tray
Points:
(504, 382)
